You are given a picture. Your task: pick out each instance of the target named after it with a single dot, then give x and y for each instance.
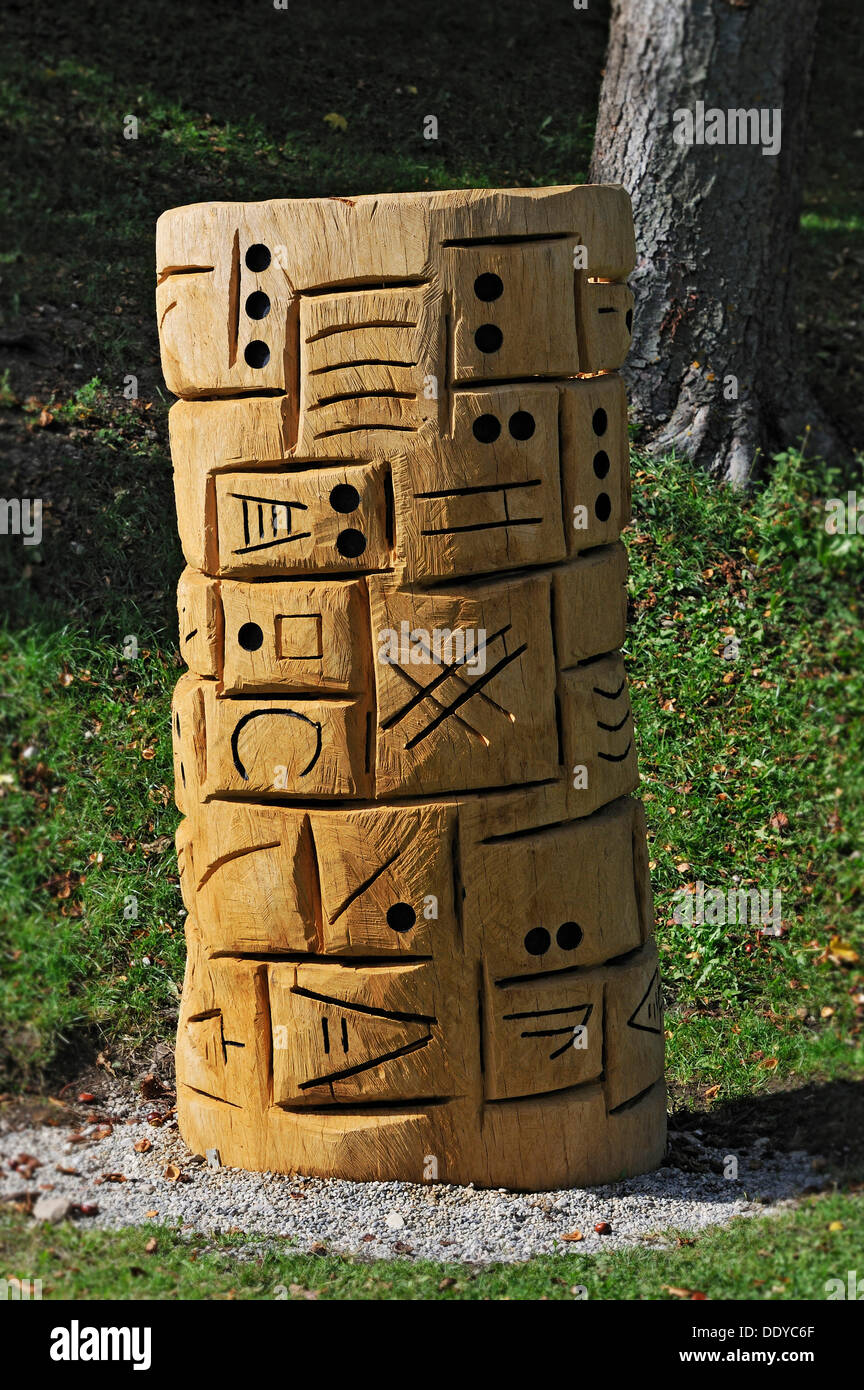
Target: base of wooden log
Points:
(538, 1144)
(304, 1058)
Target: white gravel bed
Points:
(375, 1220)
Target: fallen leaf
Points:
(841, 952)
(151, 1087)
(573, 1235)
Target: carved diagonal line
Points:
(613, 728)
(466, 695)
(365, 1066)
(351, 1006)
(445, 672)
(570, 1030)
(464, 682)
(352, 897)
(440, 704)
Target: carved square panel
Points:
(513, 309)
(313, 521)
(465, 686)
(543, 1036)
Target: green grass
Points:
(751, 768)
(790, 1256)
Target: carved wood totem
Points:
(419, 912)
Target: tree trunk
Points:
(713, 370)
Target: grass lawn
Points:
(774, 1258)
(752, 775)
(746, 645)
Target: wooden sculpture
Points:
(419, 911)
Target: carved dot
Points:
(344, 498)
(486, 428)
(488, 286)
(258, 305)
(601, 463)
(599, 420)
(401, 917)
(250, 637)
(628, 318)
(488, 337)
(568, 936)
(538, 941)
(257, 354)
(521, 424)
(350, 543)
(258, 257)
(603, 507)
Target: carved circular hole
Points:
(488, 337)
(401, 916)
(250, 637)
(628, 318)
(486, 428)
(568, 936)
(258, 305)
(257, 354)
(350, 543)
(603, 507)
(488, 286)
(521, 424)
(599, 420)
(258, 257)
(344, 498)
(601, 463)
(538, 941)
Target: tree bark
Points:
(715, 225)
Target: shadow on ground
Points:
(825, 1120)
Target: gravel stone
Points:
(404, 1220)
(53, 1209)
